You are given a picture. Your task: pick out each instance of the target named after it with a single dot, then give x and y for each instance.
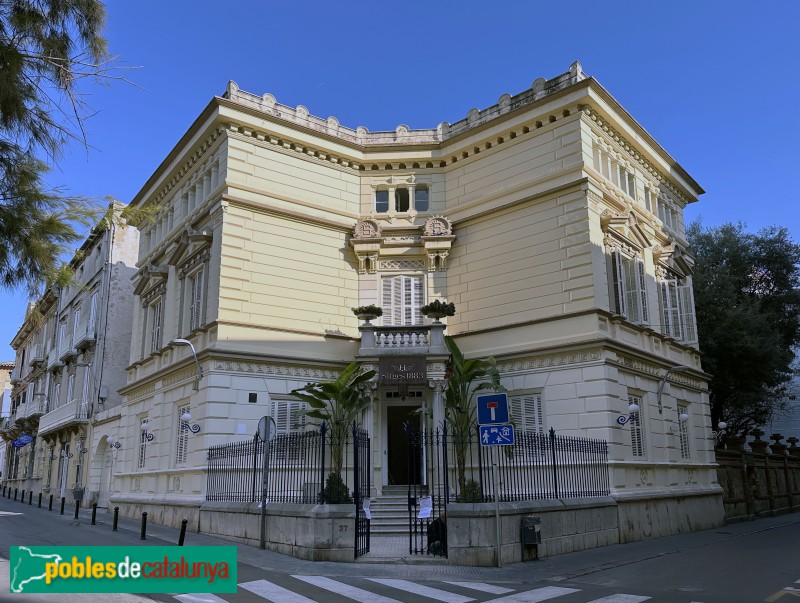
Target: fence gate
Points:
(427, 491)
(362, 469)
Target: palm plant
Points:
(466, 378)
(337, 404)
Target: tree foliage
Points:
(46, 48)
(747, 296)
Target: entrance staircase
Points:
(390, 512)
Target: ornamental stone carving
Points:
(366, 229)
(438, 226)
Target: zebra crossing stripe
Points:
(423, 591)
(483, 587)
(536, 595)
(200, 598)
(273, 592)
(621, 598)
(357, 594)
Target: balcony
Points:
(418, 340)
(20, 412)
(53, 361)
(38, 355)
(16, 377)
(65, 349)
(36, 406)
(86, 335)
(73, 412)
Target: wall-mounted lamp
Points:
(145, 434)
(116, 445)
(196, 361)
(185, 418)
(66, 455)
(663, 382)
(720, 432)
(633, 409)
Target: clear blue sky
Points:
(714, 82)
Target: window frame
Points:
(636, 427)
(628, 285)
(408, 312)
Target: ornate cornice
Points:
(275, 370)
(549, 361)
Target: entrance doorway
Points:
(397, 449)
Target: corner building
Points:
(551, 219)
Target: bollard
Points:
(22, 498)
(77, 508)
(40, 500)
(116, 518)
(30, 497)
(63, 501)
(144, 526)
(16, 491)
(50, 506)
(4, 491)
(94, 514)
(182, 537)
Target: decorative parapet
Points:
(402, 135)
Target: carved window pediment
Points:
(625, 225)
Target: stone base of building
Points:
(657, 513)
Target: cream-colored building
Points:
(72, 350)
(551, 219)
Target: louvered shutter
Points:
(618, 276)
(686, 297)
(640, 272)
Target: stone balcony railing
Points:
(417, 340)
(85, 335)
(53, 359)
(65, 348)
(16, 374)
(38, 354)
(74, 411)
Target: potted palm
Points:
(367, 313)
(438, 309)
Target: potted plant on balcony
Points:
(438, 309)
(367, 313)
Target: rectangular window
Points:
(93, 310)
(142, 447)
(683, 427)
(70, 387)
(290, 423)
(402, 299)
(381, 201)
(84, 408)
(56, 401)
(155, 326)
(629, 287)
(631, 185)
(526, 411)
(401, 200)
(648, 199)
(677, 311)
(182, 439)
(421, 199)
(635, 423)
(196, 300)
(76, 322)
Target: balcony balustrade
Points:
(86, 335)
(38, 354)
(53, 359)
(16, 374)
(414, 340)
(65, 349)
(74, 411)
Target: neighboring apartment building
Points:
(6, 369)
(72, 350)
(552, 220)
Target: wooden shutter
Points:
(686, 297)
(640, 272)
(637, 433)
(618, 278)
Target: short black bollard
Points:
(116, 518)
(22, 498)
(182, 537)
(16, 491)
(94, 514)
(40, 500)
(144, 526)
(50, 505)
(63, 502)
(77, 508)
(30, 497)
(4, 491)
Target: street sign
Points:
(496, 435)
(492, 409)
(266, 429)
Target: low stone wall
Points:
(162, 512)
(312, 532)
(652, 515)
(566, 526)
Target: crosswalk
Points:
(318, 589)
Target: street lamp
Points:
(185, 418)
(144, 427)
(633, 408)
(663, 382)
(196, 361)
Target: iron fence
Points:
(314, 466)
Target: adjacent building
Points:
(72, 350)
(552, 219)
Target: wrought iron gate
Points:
(362, 469)
(427, 492)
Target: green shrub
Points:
(336, 491)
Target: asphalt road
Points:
(740, 563)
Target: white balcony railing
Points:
(53, 359)
(85, 335)
(21, 412)
(15, 374)
(65, 348)
(74, 411)
(38, 354)
(36, 406)
(413, 340)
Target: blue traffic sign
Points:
(496, 435)
(492, 409)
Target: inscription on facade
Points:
(403, 370)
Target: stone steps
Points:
(390, 512)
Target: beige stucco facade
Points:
(552, 220)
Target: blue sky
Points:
(714, 82)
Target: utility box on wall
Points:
(531, 530)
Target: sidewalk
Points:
(558, 568)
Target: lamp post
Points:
(196, 361)
(663, 382)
